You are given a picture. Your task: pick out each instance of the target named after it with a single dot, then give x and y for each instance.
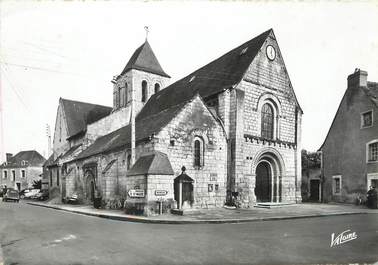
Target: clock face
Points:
(270, 52)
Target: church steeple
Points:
(144, 74)
(144, 59)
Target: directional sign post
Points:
(136, 193)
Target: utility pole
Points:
(48, 134)
(2, 147)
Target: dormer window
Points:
(24, 163)
(367, 119)
(144, 91)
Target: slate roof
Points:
(144, 59)
(372, 92)
(222, 73)
(121, 138)
(155, 163)
(79, 114)
(32, 157)
(49, 161)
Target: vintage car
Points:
(11, 195)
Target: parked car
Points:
(73, 199)
(11, 195)
(29, 193)
(42, 195)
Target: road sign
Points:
(136, 193)
(161, 192)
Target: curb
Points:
(211, 221)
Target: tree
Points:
(37, 184)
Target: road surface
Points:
(35, 235)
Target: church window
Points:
(267, 121)
(126, 94)
(51, 178)
(119, 97)
(128, 161)
(144, 91)
(198, 153)
(157, 88)
(57, 177)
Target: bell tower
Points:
(142, 77)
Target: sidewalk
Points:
(222, 215)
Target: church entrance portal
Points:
(268, 183)
(263, 189)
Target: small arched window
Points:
(157, 88)
(144, 91)
(126, 94)
(198, 153)
(267, 121)
(128, 161)
(119, 97)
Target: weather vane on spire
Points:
(147, 31)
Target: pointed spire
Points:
(144, 59)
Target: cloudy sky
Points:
(71, 49)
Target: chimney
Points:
(9, 156)
(358, 78)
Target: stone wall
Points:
(177, 141)
(264, 81)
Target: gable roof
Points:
(222, 73)
(79, 114)
(121, 138)
(144, 59)
(371, 91)
(32, 157)
(155, 163)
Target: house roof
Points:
(222, 73)
(32, 157)
(49, 161)
(155, 163)
(79, 114)
(371, 91)
(144, 128)
(144, 59)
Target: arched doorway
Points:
(263, 186)
(89, 186)
(268, 168)
(183, 190)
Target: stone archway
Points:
(263, 184)
(90, 186)
(268, 169)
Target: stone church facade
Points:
(229, 131)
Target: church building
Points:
(228, 132)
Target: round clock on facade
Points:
(270, 52)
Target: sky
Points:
(72, 49)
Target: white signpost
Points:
(160, 194)
(136, 193)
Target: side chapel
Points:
(230, 130)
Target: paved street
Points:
(36, 235)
